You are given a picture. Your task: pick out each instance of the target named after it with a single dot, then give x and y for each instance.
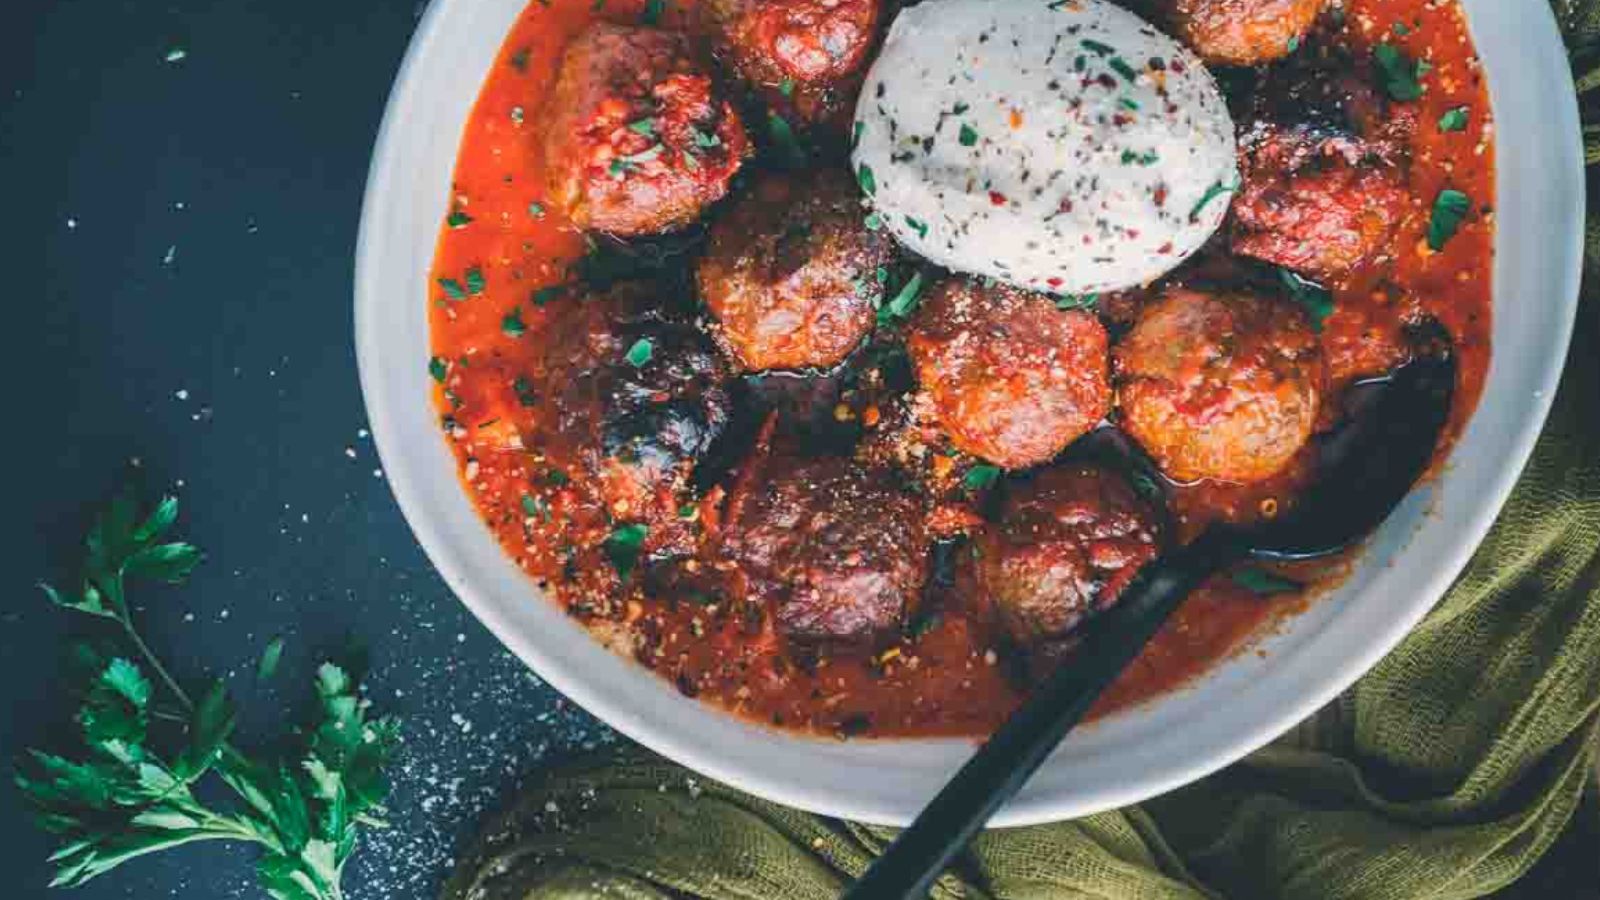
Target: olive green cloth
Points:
(1446, 772)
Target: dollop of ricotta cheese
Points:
(1064, 146)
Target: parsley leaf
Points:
(652, 12)
(1314, 298)
(1449, 208)
(511, 323)
(869, 184)
(968, 135)
(980, 477)
(1216, 190)
(1263, 583)
(1398, 72)
(458, 219)
(903, 303)
(623, 547)
(125, 795)
(1454, 119)
(639, 354)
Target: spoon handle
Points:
(1022, 743)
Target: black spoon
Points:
(1367, 468)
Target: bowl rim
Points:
(1313, 685)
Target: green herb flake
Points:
(968, 135)
(458, 219)
(1121, 67)
(704, 141)
(511, 323)
(556, 477)
(980, 477)
(1216, 190)
(1263, 583)
(519, 59)
(1314, 298)
(1094, 46)
(1128, 103)
(1149, 158)
(523, 388)
(544, 295)
(873, 222)
(536, 209)
(959, 109)
(782, 135)
(453, 289)
(1455, 119)
(646, 127)
(623, 547)
(786, 87)
(1449, 208)
(855, 134)
(640, 353)
(1069, 302)
(1398, 72)
(919, 226)
(1293, 43)
(267, 665)
(903, 303)
(475, 282)
(438, 368)
(176, 55)
(535, 507)
(652, 12)
(864, 177)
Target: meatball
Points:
(791, 273)
(1244, 32)
(840, 554)
(1318, 205)
(1012, 379)
(627, 400)
(1220, 385)
(806, 52)
(1065, 546)
(639, 140)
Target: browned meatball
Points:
(1244, 32)
(1065, 546)
(805, 53)
(626, 424)
(840, 554)
(792, 275)
(639, 140)
(1012, 378)
(1221, 386)
(1318, 205)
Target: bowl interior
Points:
(1132, 755)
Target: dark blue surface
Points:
(177, 237)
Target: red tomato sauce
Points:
(504, 252)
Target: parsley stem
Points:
(155, 663)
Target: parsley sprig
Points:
(122, 796)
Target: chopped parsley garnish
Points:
(968, 136)
(630, 161)
(453, 289)
(512, 325)
(1399, 72)
(652, 12)
(873, 221)
(1314, 298)
(1128, 103)
(1401, 29)
(536, 209)
(458, 219)
(1454, 119)
(640, 352)
(1097, 47)
(475, 282)
(855, 133)
(980, 477)
(1263, 583)
(1144, 159)
(646, 127)
(545, 294)
(1216, 190)
(869, 184)
(786, 87)
(1077, 301)
(519, 59)
(919, 226)
(903, 302)
(1449, 208)
(523, 388)
(623, 546)
(556, 477)
(783, 138)
(1121, 67)
(959, 108)
(703, 140)
(438, 368)
(1293, 43)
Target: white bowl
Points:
(1126, 758)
